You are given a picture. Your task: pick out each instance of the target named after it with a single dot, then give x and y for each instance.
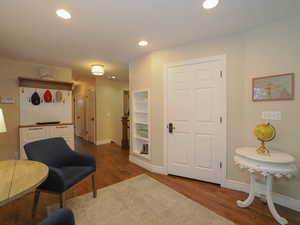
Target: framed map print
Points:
(274, 88)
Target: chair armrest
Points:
(54, 181)
(62, 216)
(81, 159)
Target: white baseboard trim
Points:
(230, 184)
(279, 199)
(103, 142)
(116, 142)
(147, 166)
(159, 170)
(236, 185)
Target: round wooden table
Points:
(19, 177)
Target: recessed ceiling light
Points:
(64, 14)
(209, 4)
(143, 43)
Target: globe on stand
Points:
(264, 133)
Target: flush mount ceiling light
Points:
(209, 4)
(64, 14)
(97, 70)
(143, 43)
(113, 77)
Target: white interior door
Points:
(196, 102)
(91, 114)
(79, 116)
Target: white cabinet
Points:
(31, 134)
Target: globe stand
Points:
(262, 149)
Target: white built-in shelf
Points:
(142, 112)
(141, 138)
(141, 102)
(146, 156)
(141, 123)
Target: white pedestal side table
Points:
(277, 164)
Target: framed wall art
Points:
(274, 88)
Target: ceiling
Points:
(107, 31)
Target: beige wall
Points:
(109, 109)
(10, 70)
(275, 49)
(83, 83)
(266, 50)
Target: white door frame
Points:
(224, 113)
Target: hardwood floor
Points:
(113, 167)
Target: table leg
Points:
(249, 200)
(272, 208)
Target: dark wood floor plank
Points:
(113, 166)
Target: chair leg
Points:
(94, 186)
(35, 202)
(62, 200)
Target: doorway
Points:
(85, 116)
(125, 121)
(196, 118)
(79, 116)
(90, 116)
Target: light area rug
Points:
(140, 201)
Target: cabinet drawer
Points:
(33, 134)
(61, 131)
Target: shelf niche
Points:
(141, 123)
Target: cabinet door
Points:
(31, 134)
(64, 131)
(61, 131)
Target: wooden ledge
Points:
(45, 125)
(47, 84)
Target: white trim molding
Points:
(148, 166)
(279, 199)
(103, 142)
(116, 142)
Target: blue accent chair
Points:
(66, 167)
(60, 217)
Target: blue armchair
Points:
(60, 217)
(66, 167)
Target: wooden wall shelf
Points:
(45, 125)
(47, 84)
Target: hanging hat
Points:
(35, 98)
(47, 96)
(58, 96)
